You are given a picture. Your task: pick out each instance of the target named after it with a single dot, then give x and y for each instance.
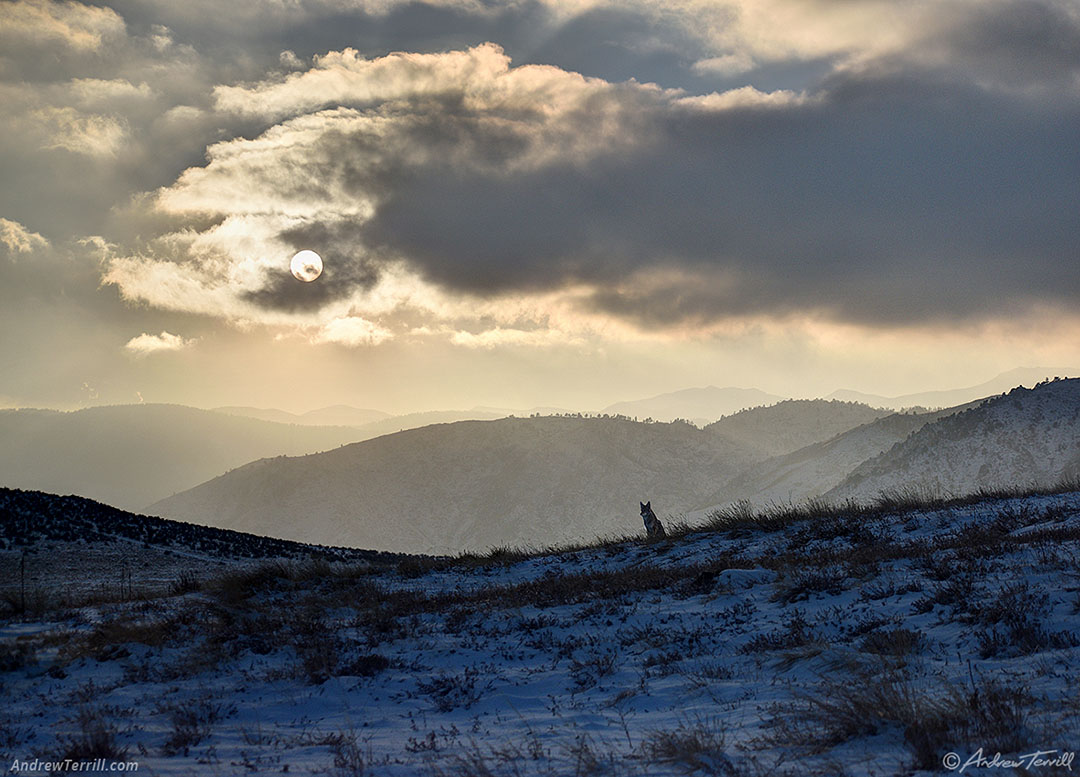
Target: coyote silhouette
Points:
(652, 523)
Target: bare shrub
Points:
(933, 721)
(450, 691)
(187, 582)
(896, 642)
(695, 747)
(828, 580)
(663, 663)
(192, 723)
(795, 634)
(317, 646)
(587, 759)
(348, 756)
(587, 672)
(1014, 624)
(365, 665)
(103, 643)
(15, 655)
(96, 738)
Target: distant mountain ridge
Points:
(335, 415)
(698, 405)
(471, 485)
(131, 455)
(787, 426)
(1006, 381)
(401, 423)
(551, 480)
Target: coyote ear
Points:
(648, 504)
(642, 505)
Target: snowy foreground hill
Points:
(900, 639)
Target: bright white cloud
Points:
(146, 344)
(18, 239)
(351, 331)
(554, 113)
(94, 92)
(346, 77)
(743, 97)
(535, 338)
(81, 133)
(70, 24)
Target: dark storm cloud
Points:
(935, 181)
(1019, 43)
(314, 29)
(892, 199)
(345, 270)
(619, 44)
(614, 43)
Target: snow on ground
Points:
(786, 644)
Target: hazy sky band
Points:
(562, 176)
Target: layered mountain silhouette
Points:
(699, 405)
(1021, 376)
(336, 415)
(471, 485)
(535, 481)
(787, 426)
(131, 455)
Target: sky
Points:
(533, 202)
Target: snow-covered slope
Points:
(774, 430)
(887, 643)
(131, 455)
(815, 469)
(1026, 437)
(471, 485)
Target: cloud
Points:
(743, 97)
(69, 24)
(81, 133)
(1012, 45)
(497, 337)
(111, 92)
(869, 162)
(147, 344)
(891, 194)
(346, 77)
(18, 239)
(351, 331)
(316, 179)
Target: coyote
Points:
(652, 523)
